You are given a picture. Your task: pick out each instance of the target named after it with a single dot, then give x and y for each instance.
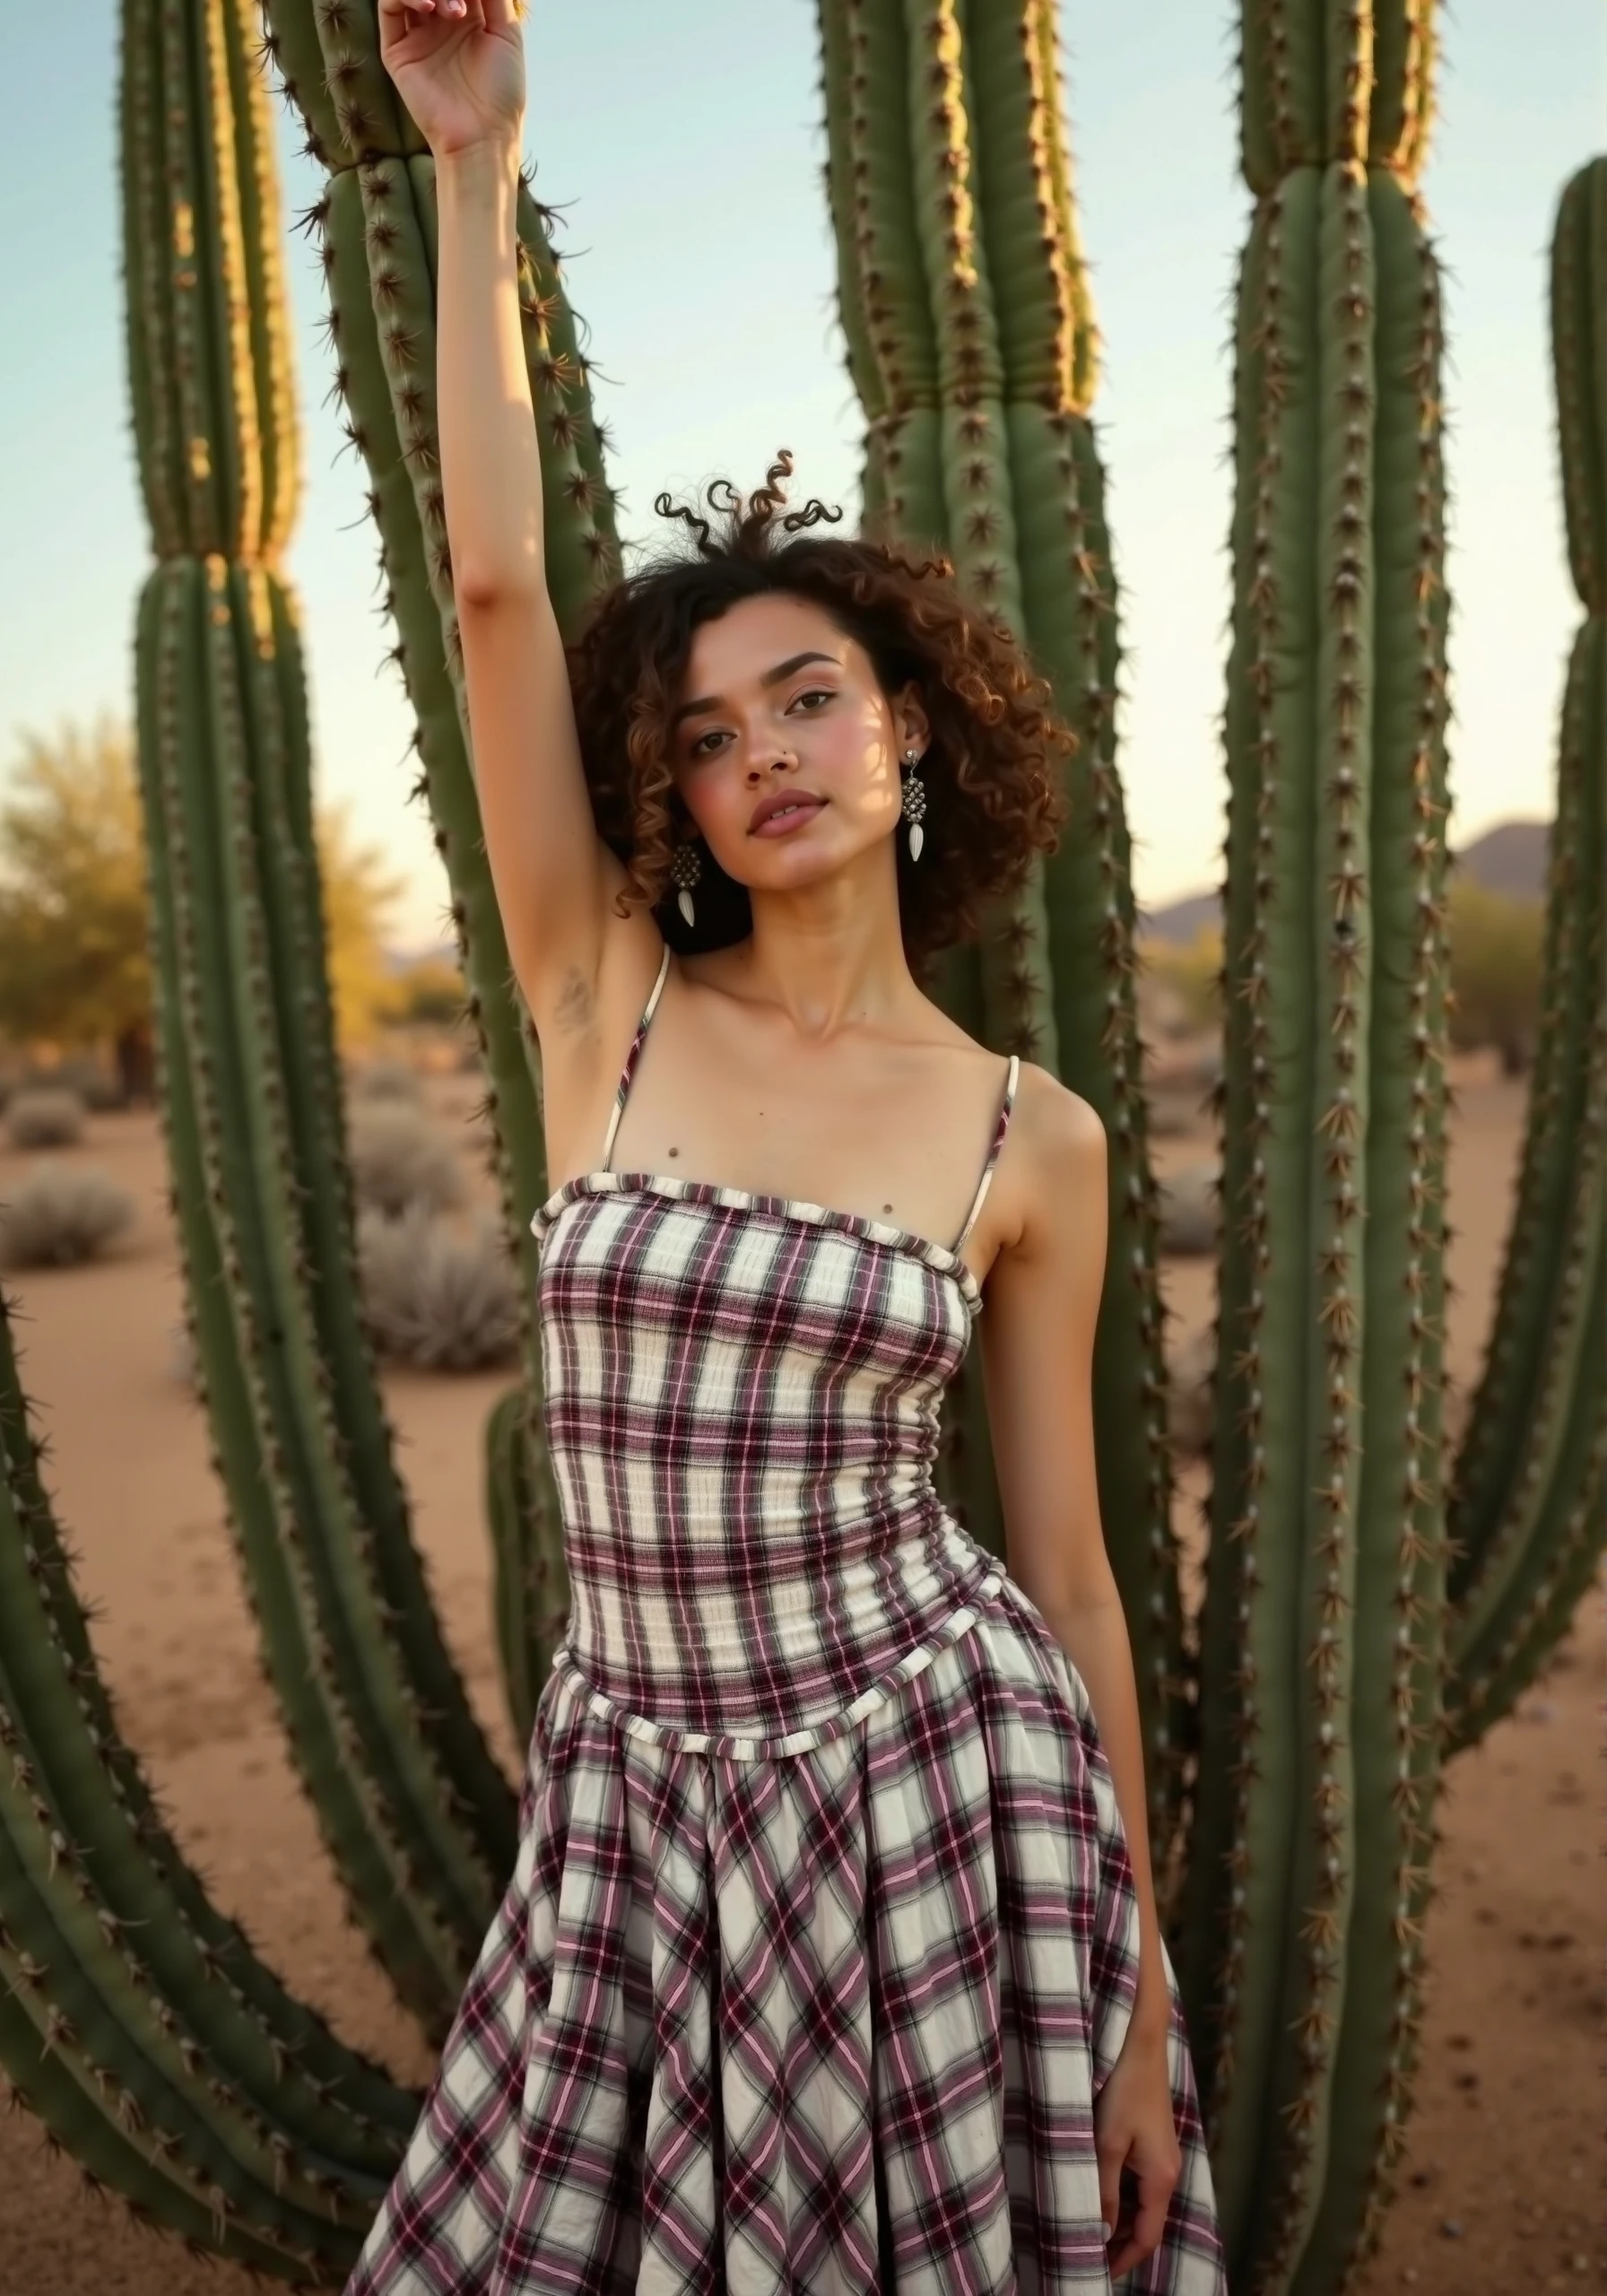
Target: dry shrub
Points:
(59, 1217)
(1190, 1209)
(434, 1299)
(82, 1073)
(391, 1081)
(1190, 1400)
(401, 1161)
(45, 1115)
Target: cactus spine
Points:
(1529, 1507)
(971, 345)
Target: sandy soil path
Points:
(1503, 2189)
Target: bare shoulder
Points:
(1052, 1183)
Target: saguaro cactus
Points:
(1529, 1505)
(418, 1815)
(1320, 1657)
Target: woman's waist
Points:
(730, 1639)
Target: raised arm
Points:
(462, 76)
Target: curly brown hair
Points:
(994, 794)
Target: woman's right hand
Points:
(458, 66)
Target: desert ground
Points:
(1502, 2190)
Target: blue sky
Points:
(686, 143)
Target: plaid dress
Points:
(821, 1937)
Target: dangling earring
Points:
(915, 803)
(686, 867)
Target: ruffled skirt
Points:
(833, 2021)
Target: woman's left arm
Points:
(1038, 1342)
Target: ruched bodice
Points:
(743, 1414)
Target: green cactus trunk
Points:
(1529, 1507)
(135, 2018)
(420, 1819)
(970, 344)
(1320, 1657)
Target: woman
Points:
(831, 1957)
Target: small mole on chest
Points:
(675, 1151)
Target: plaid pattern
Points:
(821, 1937)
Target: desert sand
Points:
(1502, 2189)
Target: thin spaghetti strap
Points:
(1001, 1127)
(623, 1089)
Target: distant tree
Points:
(1188, 972)
(431, 989)
(360, 894)
(1497, 951)
(74, 968)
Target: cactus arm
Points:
(1521, 1339)
(70, 2093)
(1530, 1456)
(870, 169)
(102, 1999)
(1566, 1551)
(273, 695)
(1022, 192)
(280, 2051)
(1227, 1728)
(1333, 1172)
(1271, 970)
(232, 935)
(1320, 1650)
(189, 822)
(1398, 1607)
(1070, 612)
(293, 1648)
(510, 1559)
(137, 2020)
(1561, 1541)
(1579, 364)
(295, 1655)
